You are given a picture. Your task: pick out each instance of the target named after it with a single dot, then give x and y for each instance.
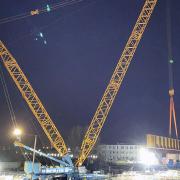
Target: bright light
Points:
(171, 61)
(41, 34)
(17, 132)
(7, 177)
(48, 8)
(147, 158)
(71, 155)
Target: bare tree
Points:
(75, 138)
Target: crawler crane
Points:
(106, 102)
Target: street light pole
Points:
(17, 132)
(34, 153)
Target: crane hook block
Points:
(171, 92)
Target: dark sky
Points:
(71, 72)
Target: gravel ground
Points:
(163, 175)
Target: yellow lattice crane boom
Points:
(32, 100)
(115, 82)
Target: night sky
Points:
(71, 72)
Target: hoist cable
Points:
(169, 43)
(8, 100)
(172, 113)
(38, 11)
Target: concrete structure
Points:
(119, 153)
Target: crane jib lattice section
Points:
(115, 82)
(32, 100)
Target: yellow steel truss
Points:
(32, 100)
(115, 82)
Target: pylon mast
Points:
(32, 100)
(110, 93)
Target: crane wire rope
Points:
(172, 112)
(38, 11)
(10, 106)
(8, 99)
(44, 27)
(9, 103)
(50, 24)
(12, 112)
(61, 18)
(56, 7)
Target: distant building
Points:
(119, 153)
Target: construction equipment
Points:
(63, 169)
(116, 80)
(107, 100)
(62, 163)
(172, 112)
(33, 102)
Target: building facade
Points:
(119, 153)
